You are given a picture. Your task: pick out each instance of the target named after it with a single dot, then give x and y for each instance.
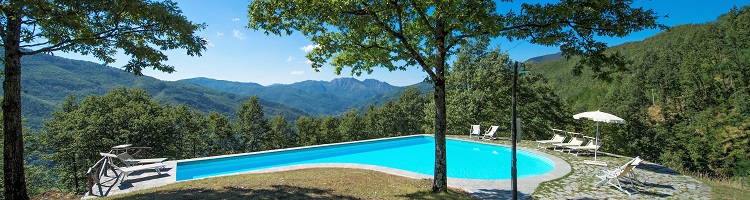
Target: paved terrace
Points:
(571, 179)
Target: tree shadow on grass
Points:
(657, 169)
(450, 195)
(499, 194)
(656, 185)
(653, 194)
(277, 192)
(128, 183)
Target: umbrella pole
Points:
(596, 142)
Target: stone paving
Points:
(140, 180)
(658, 182)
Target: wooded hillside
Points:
(685, 97)
(48, 80)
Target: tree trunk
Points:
(15, 182)
(440, 183)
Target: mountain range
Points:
(47, 80)
(315, 97)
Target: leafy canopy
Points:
(142, 29)
(362, 35)
(399, 34)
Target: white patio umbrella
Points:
(599, 116)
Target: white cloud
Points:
(309, 47)
(238, 34)
(297, 72)
(219, 34)
(236, 19)
(290, 59)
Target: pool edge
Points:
(478, 187)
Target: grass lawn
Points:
(727, 190)
(319, 183)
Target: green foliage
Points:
(191, 127)
(222, 136)
(411, 104)
(479, 93)
(399, 118)
(102, 28)
(251, 125)
(374, 122)
(352, 126)
(362, 35)
(78, 132)
(307, 130)
(328, 131)
(684, 96)
(280, 134)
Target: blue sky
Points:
(239, 54)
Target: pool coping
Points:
(484, 189)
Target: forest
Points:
(685, 97)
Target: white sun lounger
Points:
(490, 133)
(590, 146)
(474, 131)
(127, 170)
(612, 177)
(557, 138)
(130, 161)
(573, 142)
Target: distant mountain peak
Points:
(345, 79)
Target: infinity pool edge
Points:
(555, 162)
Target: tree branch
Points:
(454, 42)
(98, 36)
(371, 46)
(422, 15)
(418, 57)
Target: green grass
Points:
(317, 183)
(724, 189)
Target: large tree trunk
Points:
(15, 182)
(440, 183)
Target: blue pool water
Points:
(469, 160)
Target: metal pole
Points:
(513, 170)
(596, 141)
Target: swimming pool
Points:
(467, 160)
